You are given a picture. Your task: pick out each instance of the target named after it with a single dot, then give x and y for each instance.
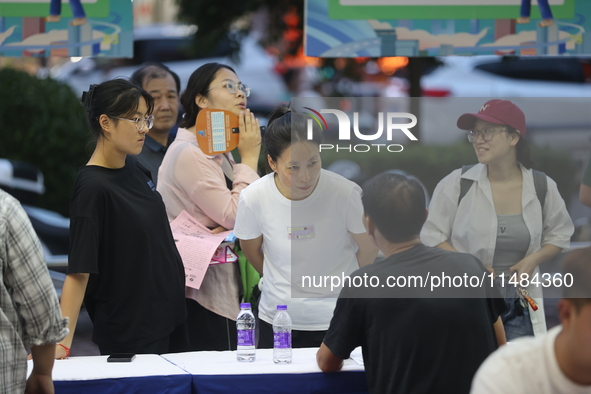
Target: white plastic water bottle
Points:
(282, 336)
(245, 324)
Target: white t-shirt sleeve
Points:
(354, 214)
(497, 374)
(247, 225)
(487, 384)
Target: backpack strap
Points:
(465, 184)
(541, 186)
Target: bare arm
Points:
(71, 301)
(529, 263)
(367, 252)
(446, 246)
(327, 361)
(219, 229)
(253, 250)
(500, 332)
(40, 379)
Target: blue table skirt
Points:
(339, 382)
(174, 384)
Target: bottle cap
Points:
(281, 307)
(245, 305)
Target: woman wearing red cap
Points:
(500, 210)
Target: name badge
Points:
(302, 232)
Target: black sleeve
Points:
(86, 213)
(345, 331)
(496, 305)
(84, 246)
(494, 299)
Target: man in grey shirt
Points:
(164, 86)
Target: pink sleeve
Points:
(202, 178)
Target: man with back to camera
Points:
(413, 340)
(557, 362)
(164, 86)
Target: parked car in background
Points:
(509, 76)
(25, 183)
(169, 44)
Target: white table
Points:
(215, 372)
(206, 372)
(148, 373)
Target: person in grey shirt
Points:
(164, 86)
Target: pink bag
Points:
(223, 254)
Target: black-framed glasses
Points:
(140, 122)
(233, 87)
(487, 134)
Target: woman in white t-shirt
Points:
(301, 228)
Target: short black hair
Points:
(286, 127)
(114, 98)
(198, 85)
(396, 205)
(152, 70)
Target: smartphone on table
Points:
(121, 358)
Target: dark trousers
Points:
(299, 338)
(208, 330)
(176, 342)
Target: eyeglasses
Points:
(139, 122)
(486, 134)
(233, 87)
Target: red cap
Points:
(496, 111)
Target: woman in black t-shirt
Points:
(122, 261)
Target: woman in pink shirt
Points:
(208, 187)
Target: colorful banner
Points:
(66, 28)
(377, 28)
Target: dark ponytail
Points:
(523, 150)
(286, 127)
(115, 98)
